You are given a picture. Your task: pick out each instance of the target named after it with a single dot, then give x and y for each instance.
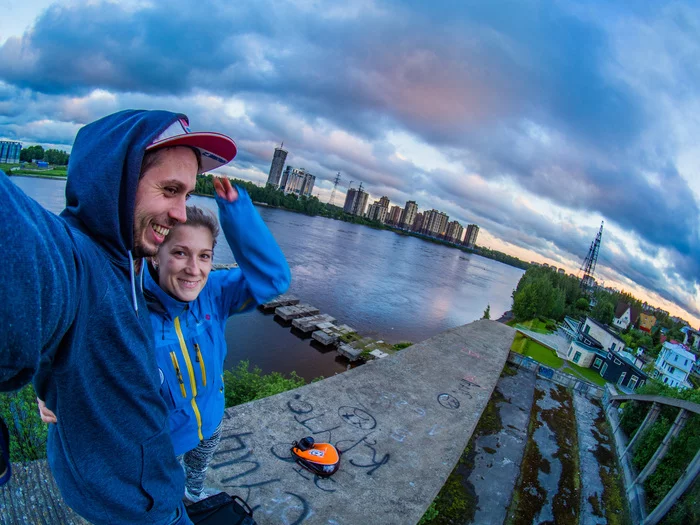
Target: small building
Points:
(595, 346)
(691, 337)
(9, 151)
(646, 322)
(621, 368)
(673, 366)
(625, 315)
(592, 338)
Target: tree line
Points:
(52, 156)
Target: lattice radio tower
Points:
(335, 185)
(588, 266)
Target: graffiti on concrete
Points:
(235, 451)
(448, 401)
(471, 353)
(352, 429)
(357, 417)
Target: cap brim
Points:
(216, 149)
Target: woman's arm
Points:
(264, 272)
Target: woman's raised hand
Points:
(223, 188)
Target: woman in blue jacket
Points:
(189, 307)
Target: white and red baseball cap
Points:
(216, 149)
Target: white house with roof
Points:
(587, 339)
(673, 365)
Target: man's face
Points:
(160, 198)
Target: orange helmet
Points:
(322, 459)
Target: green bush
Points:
(650, 441)
(28, 433)
(242, 384)
(680, 453)
(633, 413)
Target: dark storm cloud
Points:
(518, 92)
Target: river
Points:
(387, 286)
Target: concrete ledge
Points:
(32, 497)
(401, 424)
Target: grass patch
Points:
(350, 337)
(4, 166)
(402, 345)
(536, 351)
(584, 373)
(539, 326)
(241, 384)
(457, 501)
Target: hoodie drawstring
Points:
(133, 283)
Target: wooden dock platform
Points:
(328, 334)
(287, 313)
(308, 324)
(280, 300)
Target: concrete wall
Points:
(588, 389)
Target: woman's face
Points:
(184, 261)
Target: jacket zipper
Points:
(190, 371)
(200, 360)
(176, 365)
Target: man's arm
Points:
(39, 282)
(264, 272)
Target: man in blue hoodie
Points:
(75, 319)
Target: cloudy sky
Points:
(534, 120)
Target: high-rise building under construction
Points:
(278, 159)
(355, 201)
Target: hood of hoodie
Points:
(103, 174)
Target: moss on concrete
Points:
(508, 370)
(562, 420)
(614, 503)
(594, 500)
(529, 496)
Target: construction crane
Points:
(588, 265)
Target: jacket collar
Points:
(158, 299)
